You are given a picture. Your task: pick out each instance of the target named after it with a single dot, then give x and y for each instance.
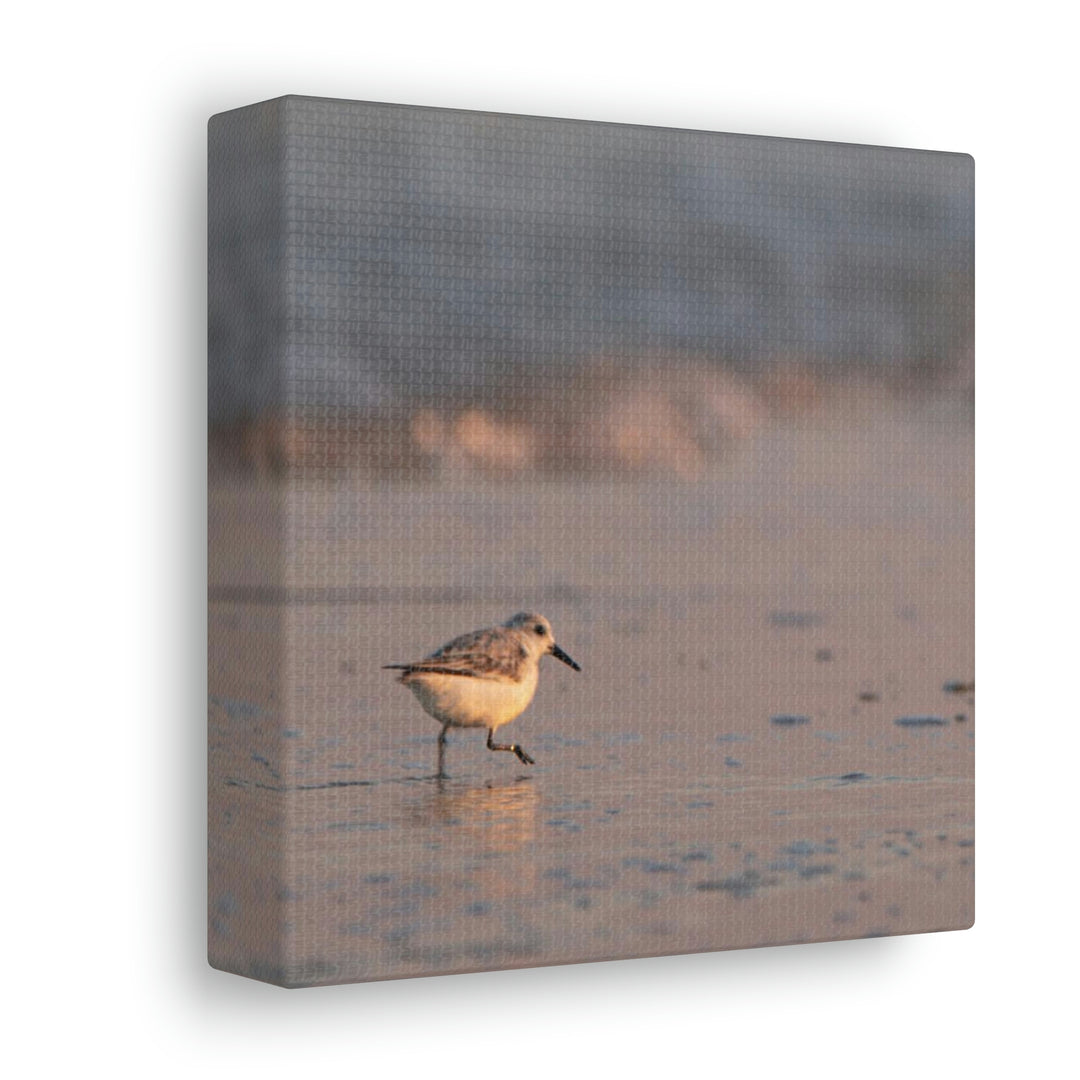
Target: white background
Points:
(103, 137)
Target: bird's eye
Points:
(539, 629)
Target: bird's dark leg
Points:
(441, 774)
(512, 747)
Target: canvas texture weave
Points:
(701, 407)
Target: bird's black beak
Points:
(560, 655)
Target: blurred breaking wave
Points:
(611, 421)
(474, 294)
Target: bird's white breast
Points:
(465, 701)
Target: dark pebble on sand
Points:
(650, 866)
(960, 717)
(808, 847)
(869, 695)
(739, 885)
(822, 656)
(921, 721)
(959, 687)
(564, 823)
(786, 720)
(815, 870)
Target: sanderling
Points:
(484, 679)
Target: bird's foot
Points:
(511, 747)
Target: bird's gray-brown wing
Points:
(482, 654)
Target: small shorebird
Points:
(484, 679)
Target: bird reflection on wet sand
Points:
(490, 817)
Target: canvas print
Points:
(591, 558)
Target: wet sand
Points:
(727, 770)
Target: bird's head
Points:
(538, 637)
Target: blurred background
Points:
(511, 296)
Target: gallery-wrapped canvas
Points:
(591, 557)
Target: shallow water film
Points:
(771, 739)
